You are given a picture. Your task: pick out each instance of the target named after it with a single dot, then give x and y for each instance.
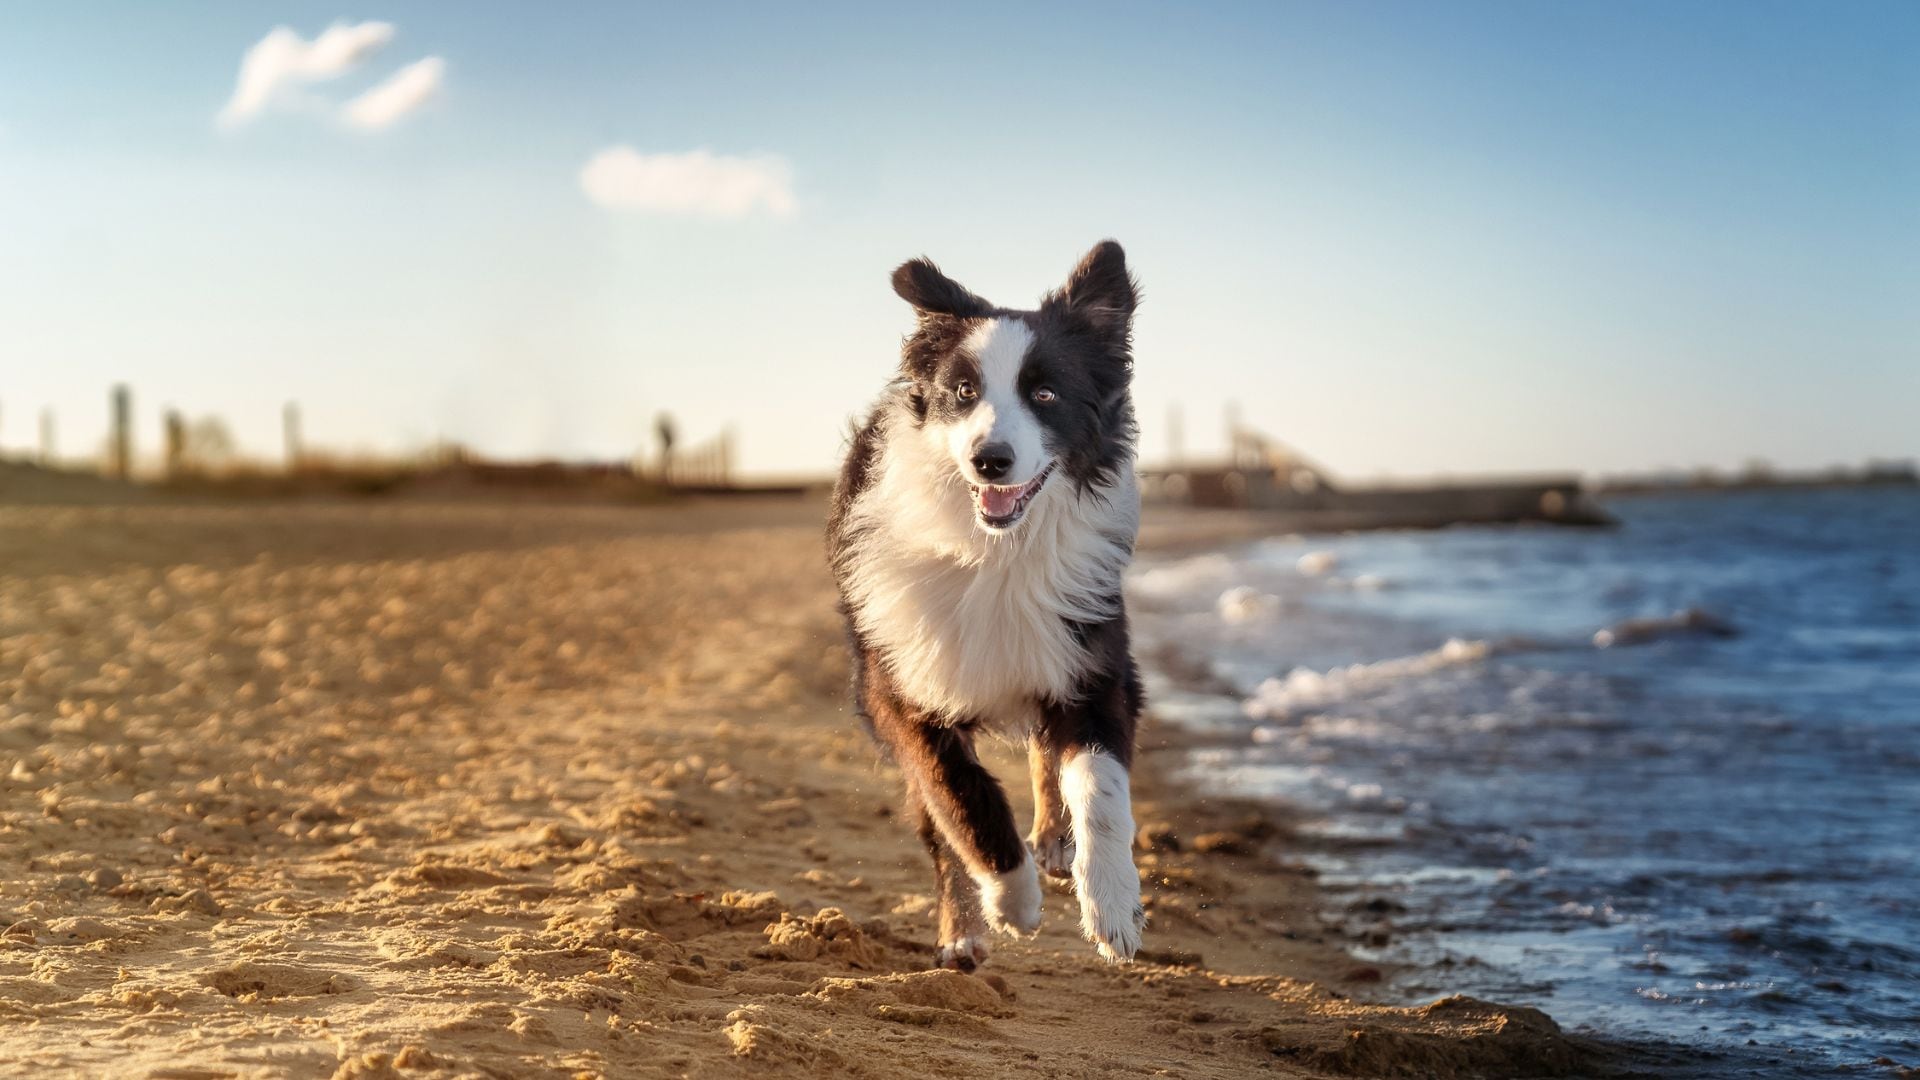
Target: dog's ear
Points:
(931, 292)
(1101, 293)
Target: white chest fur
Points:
(973, 624)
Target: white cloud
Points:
(283, 61)
(403, 91)
(698, 183)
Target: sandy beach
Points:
(391, 789)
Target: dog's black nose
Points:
(993, 461)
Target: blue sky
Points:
(1409, 238)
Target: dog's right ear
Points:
(931, 292)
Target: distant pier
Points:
(1262, 475)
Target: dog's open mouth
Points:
(1003, 507)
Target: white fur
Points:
(1011, 901)
(1002, 414)
(971, 623)
(1097, 792)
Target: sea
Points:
(1660, 780)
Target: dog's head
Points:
(1019, 397)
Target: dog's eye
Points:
(964, 391)
(1045, 395)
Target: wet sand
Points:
(391, 789)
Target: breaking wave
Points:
(1305, 688)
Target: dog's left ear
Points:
(1101, 293)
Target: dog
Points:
(979, 529)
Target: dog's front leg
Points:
(1093, 737)
(972, 813)
(1098, 794)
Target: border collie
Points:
(979, 529)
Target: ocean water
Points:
(1700, 829)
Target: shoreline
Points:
(311, 791)
(1431, 942)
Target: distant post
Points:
(290, 426)
(176, 444)
(663, 427)
(48, 451)
(1176, 440)
(122, 437)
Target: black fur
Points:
(931, 292)
(1101, 295)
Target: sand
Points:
(378, 790)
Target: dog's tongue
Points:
(999, 501)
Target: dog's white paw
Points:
(1096, 789)
(1011, 901)
(1053, 853)
(1114, 923)
(965, 954)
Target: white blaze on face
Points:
(1003, 414)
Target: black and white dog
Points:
(978, 533)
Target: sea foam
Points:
(1304, 688)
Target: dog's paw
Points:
(965, 954)
(1053, 852)
(1097, 789)
(1011, 901)
(1114, 924)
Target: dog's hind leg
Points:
(963, 929)
(1051, 839)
